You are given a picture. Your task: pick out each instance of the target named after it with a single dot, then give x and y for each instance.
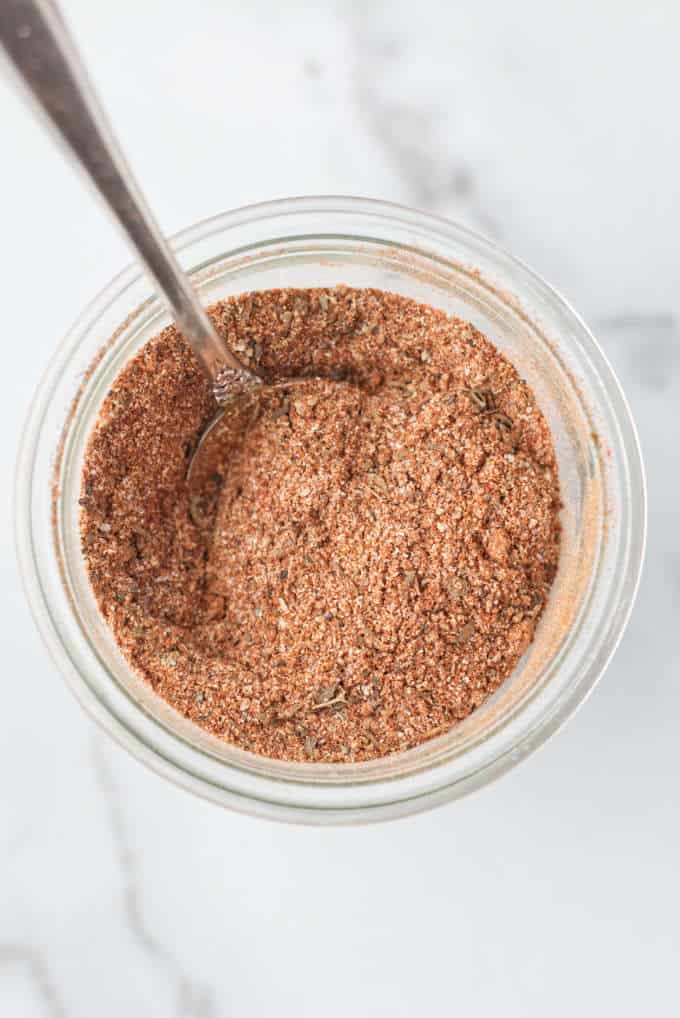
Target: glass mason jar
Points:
(320, 242)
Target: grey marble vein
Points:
(193, 999)
(407, 130)
(31, 959)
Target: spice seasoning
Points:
(368, 559)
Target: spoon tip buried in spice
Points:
(239, 409)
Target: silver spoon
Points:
(43, 53)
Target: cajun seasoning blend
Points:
(370, 559)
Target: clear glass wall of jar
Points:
(322, 242)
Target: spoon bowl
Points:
(240, 408)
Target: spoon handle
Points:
(46, 58)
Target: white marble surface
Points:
(552, 127)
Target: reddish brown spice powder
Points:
(369, 560)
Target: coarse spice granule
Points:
(368, 561)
